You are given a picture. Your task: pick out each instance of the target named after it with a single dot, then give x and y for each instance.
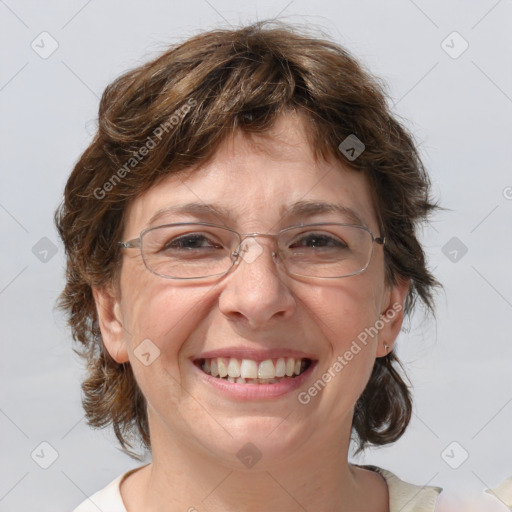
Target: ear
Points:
(392, 316)
(108, 307)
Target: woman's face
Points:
(166, 327)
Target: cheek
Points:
(156, 310)
(159, 320)
(346, 308)
(346, 313)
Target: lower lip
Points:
(256, 391)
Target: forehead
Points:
(257, 182)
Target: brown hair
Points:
(180, 107)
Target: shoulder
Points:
(107, 499)
(407, 497)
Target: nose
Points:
(255, 290)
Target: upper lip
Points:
(254, 354)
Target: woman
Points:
(241, 250)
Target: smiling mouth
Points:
(249, 371)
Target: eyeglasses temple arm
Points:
(130, 244)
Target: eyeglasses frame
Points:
(235, 256)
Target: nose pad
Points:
(276, 256)
(249, 250)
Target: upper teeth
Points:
(250, 369)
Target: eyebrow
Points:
(299, 209)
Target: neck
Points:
(316, 477)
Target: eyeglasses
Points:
(189, 250)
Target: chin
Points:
(268, 438)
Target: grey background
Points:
(459, 110)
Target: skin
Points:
(196, 432)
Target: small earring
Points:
(386, 347)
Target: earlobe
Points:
(108, 308)
(392, 316)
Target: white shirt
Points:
(403, 497)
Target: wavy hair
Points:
(186, 102)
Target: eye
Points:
(189, 242)
(318, 240)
